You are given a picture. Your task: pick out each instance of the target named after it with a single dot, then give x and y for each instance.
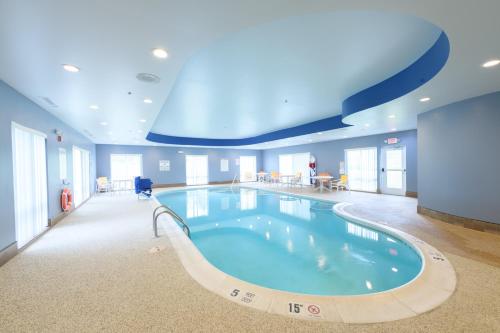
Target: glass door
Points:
(30, 183)
(248, 168)
(124, 169)
(361, 165)
(196, 169)
(81, 175)
(393, 167)
(295, 164)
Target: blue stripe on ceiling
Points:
(409, 79)
(313, 127)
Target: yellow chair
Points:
(103, 185)
(275, 177)
(342, 183)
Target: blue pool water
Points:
(291, 243)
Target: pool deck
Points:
(100, 270)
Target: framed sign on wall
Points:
(164, 165)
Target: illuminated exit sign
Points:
(392, 141)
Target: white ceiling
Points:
(111, 42)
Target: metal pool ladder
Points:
(174, 215)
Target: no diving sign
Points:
(309, 310)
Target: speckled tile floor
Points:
(94, 272)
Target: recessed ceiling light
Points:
(425, 99)
(139, 131)
(94, 107)
(103, 123)
(367, 125)
(71, 68)
(392, 116)
(142, 120)
(491, 63)
(310, 140)
(148, 100)
(160, 53)
(345, 137)
(320, 133)
(394, 129)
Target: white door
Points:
(248, 168)
(393, 167)
(81, 175)
(361, 166)
(30, 183)
(196, 169)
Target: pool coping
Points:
(434, 284)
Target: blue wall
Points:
(151, 155)
(329, 154)
(459, 159)
(15, 107)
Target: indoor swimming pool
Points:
(291, 243)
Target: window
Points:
(30, 183)
(81, 175)
(124, 168)
(292, 164)
(63, 166)
(196, 169)
(248, 168)
(361, 167)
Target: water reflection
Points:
(197, 203)
(248, 199)
(296, 207)
(359, 231)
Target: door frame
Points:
(383, 171)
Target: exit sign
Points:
(392, 141)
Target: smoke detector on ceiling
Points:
(148, 78)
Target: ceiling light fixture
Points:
(424, 99)
(142, 120)
(392, 116)
(320, 133)
(103, 123)
(394, 129)
(94, 107)
(367, 125)
(71, 68)
(491, 63)
(160, 53)
(148, 100)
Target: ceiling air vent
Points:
(147, 78)
(48, 102)
(87, 133)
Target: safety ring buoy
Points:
(66, 200)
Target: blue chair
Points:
(143, 186)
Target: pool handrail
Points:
(173, 214)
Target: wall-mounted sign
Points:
(391, 141)
(164, 165)
(224, 165)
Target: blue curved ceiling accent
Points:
(312, 127)
(410, 78)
